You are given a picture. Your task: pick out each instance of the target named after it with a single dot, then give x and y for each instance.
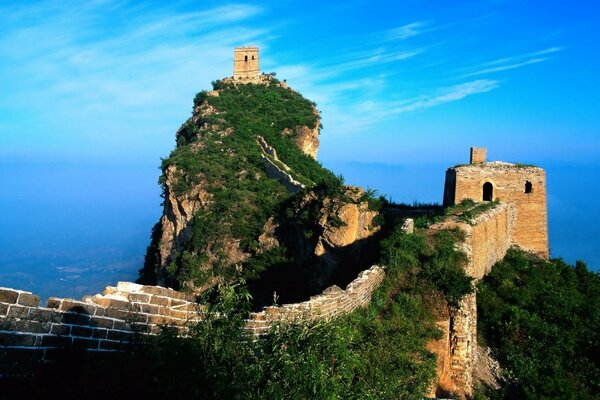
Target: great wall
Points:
(109, 322)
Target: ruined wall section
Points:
(332, 303)
(110, 321)
(488, 237)
(510, 184)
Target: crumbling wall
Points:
(109, 321)
(487, 239)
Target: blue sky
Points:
(92, 92)
(397, 82)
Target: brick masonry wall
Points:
(332, 303)
(487, 239)
(109, 321)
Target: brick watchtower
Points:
(523, 185)
(245, 64)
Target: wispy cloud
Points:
(451, 94)
(508, 63)
(407, 31)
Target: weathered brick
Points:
(56, 341)
(112, 303)
(32, 326)
(16, 339)
(149, 308)
(76, 319)
(60, 329)
(16, 311)
(122, 325)
(100, 322)
(28, 299)
(99, 333)
(8, 296)
(44, 315)
(3, 309)
(160, 301)
(77, 307)
(54, 302)
(117, 314)
(81, 331)
(140, 328)
(139, 297)
(119, 335)
(8, 324)
(158, 319)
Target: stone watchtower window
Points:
(488, 191)
(528, 187)
(246, 58)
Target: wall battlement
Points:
(111, 320)
(245, 64)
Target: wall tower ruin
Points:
(245, 64)
(522, 185)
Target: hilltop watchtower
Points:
(245, 64)
(523, 185)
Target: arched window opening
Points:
(245, 58)
(528, 187)
(488, 191)
(253, 57)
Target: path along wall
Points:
(109, 321)
(487, 239)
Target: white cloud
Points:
(454, 93)
(407, 31)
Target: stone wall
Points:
(332, 303)
(105, 322)
(109, 321)
(525, 186)
(487, 239)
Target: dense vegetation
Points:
(218, 152)
(373, 353)
(542, 321)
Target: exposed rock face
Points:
(356, 222)
(178, 212)
(307, 138)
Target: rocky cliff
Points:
(243, 193)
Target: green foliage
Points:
(219, 153)
(438, 266)
(541, 319)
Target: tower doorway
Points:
(488, 191)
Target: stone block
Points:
(54, 302)
(82, 331)
(100, 333)
(100, 322)
(115, 304)
(8, 296)
(44, 315)
(120, 335)
(16, 311)
(3, 309)
(32, 326)
(160, 300)
(139, 297)
(8, 324)
(60, 329)
(78, 307)
(17, 339)
(76, 319)
(28, 299)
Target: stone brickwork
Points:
(524, 186)
(245, 64)
(478, 155)
(330, 304)
(109, 321)
(487, 239)
(104, 322)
